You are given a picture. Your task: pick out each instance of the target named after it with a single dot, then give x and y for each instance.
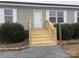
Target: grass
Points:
(75, 56)
(72, 49)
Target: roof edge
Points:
(31, 3)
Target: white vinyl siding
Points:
(47, 14)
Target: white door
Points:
(37, 19)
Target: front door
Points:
(37, 19)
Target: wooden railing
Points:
(50, 27)
(30, 28)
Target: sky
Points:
(73, 2)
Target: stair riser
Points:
(40, 33)
(44, 44)
(40, 40)
(40, 36)
(47, 43)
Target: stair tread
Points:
(44, 44)
(39, 32)
(49, 41)
(38, 36)
(41, 39)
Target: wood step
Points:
(41, 33)
(42, 36)
(39, 30)
(41, 39)
(43, 43)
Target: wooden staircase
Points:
(41, 37)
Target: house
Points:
(41, 16)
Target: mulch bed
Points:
(71, 47)
(14, 46)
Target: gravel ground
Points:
(36, 52)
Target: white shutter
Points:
(47, 14)
(2, 18)
(14, 15)
(65, 16)
(75, 16)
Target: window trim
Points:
(64, 16)
(75, 16)
(14, 16)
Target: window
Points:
(77, 17)
(52, 15)
(56, 16)
(8, 14)
(60, 16)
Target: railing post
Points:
(30, 33)
(55, 34)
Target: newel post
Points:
(55, 34)
(30, 32)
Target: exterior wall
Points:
(24, 14)
(70, 16)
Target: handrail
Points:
(30, 27)
(51, 25)
(30, 24)
(52, 30)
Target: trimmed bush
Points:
(12, 33)
(67, 31)
(76, 31)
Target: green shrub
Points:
(76, 31)
(12, 33)
(67, 31)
